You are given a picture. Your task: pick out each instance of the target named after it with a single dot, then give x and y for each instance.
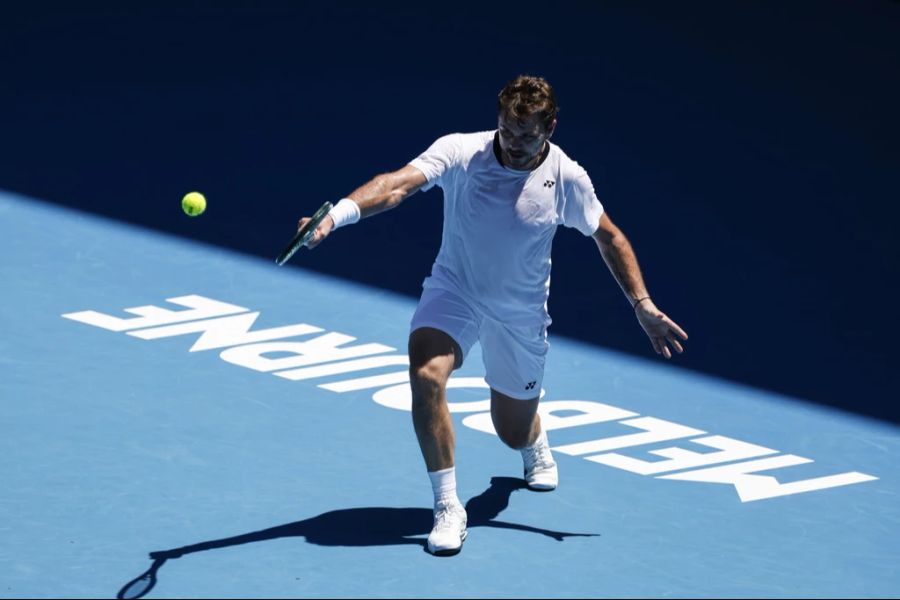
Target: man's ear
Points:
(551, 129)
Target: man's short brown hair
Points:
(527, 95)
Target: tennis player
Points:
(505, 193)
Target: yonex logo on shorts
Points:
(530, 385)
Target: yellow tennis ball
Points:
(193, 204)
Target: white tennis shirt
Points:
(499, 224)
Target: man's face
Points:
(522, 141)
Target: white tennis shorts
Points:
(513, 357)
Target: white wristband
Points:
(345, 212)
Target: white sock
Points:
(443, 484)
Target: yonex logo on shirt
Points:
(530, 385)
(549, 183)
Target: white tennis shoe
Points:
(449, 531)
(541, 473)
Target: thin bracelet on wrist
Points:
(638, 301)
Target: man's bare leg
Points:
(432, 357)
(518, 424)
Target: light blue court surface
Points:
(248, 425)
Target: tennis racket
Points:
(303, 234)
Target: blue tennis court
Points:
(180, 420)
(181, 417)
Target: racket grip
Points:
(303, 234)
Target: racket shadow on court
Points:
(374, 526)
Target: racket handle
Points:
(303, 234)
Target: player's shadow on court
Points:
(359, 527)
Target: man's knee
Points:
(514, 420)
(432, 357)
(516, 437)
(428, 379)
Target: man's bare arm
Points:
(381, 193)
(622, 262)
(388, 190)
(620, 259)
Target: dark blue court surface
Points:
(227, 428)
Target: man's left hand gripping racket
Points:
(303, 234)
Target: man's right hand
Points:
(322, 231)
